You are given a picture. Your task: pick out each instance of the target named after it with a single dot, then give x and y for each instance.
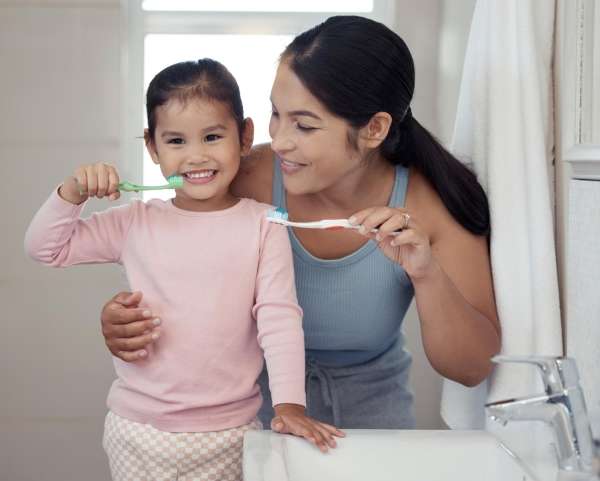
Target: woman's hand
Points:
(409, 247)
(94, 180)
(127, 328)
(291, 419)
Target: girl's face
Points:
(311, 143)
(199, 140)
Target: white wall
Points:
(59, 98)
(59, 86)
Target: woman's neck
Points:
(366, 186)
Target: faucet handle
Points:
(558, 373)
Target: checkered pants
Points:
(139, 452)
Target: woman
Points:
(345, 145)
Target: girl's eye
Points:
(212, 137)
(274, 113)
(176, 141)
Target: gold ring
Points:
(406, 220)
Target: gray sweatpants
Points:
(373, 395)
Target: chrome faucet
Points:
(562, 407)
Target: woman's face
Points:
(311, 143)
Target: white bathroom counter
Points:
(382, 455)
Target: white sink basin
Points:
(382, 455)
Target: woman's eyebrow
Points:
(306, 113)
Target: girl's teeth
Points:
(200, 175)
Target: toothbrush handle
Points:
(129, 187)
(325, 224)
(374, 231)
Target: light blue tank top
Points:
(353, 306)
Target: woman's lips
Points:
(289, 167)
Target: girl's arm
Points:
(279, 321)
(58, 237)
(279, 317)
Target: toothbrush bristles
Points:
(278, 213)
(175, 181)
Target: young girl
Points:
(216, 273)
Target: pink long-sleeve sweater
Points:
(221, 282)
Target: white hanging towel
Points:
(504, 128)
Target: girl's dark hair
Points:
(204, 78)
(357, 67)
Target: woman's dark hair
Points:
(204, 78)
(357, 67)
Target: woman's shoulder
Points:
(255, 177)
(425, 204)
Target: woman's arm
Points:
(455, 301)
(455, 297)
(451, 274)
(127, 328)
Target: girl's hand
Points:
(95, 180)
(291, 419)
(410, 247)
(127, 328)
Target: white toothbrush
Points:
(280, 216)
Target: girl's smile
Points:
(199, 177)
(199, 139)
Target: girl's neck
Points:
(205, 205)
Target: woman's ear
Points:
(150, 147)
(374, 133)
(247, 137)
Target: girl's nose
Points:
(197, 155)
(197, 159)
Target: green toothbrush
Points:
(174, 182)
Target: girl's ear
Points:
(374, 133)
(150, 147)
(247, 137)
